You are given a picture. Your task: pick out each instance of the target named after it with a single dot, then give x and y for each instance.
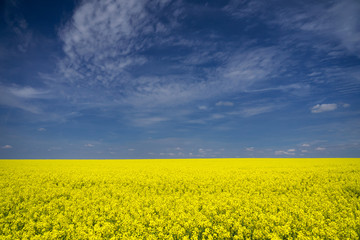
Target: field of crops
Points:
(180, 199)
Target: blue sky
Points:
(179, 79)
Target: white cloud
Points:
(89, 145)
(305, 145)
(250, 149)
(319, 108)
(6, 147)
(304, 151)
(346, 105)
(224, 103)
(281, 152)
(41, 129)
(131, 149)
(291, 150)
(320, 149)
(204, 152)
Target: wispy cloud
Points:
(147, 70)
(242, 9)
(38, 103)
(6, 147)
(19, 26)
(28, 92)
(335, 24)
(328, 29)
(295, 88)
(334, 21)
(105, 38)
(106, 43)
(252, 111)
(22, 97)
(247, 67)
(224, 103)
(345, 80)
(148, 121)
(217, 116)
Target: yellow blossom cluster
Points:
(180, 199)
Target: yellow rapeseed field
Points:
(180, 199)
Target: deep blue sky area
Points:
(179, 79)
